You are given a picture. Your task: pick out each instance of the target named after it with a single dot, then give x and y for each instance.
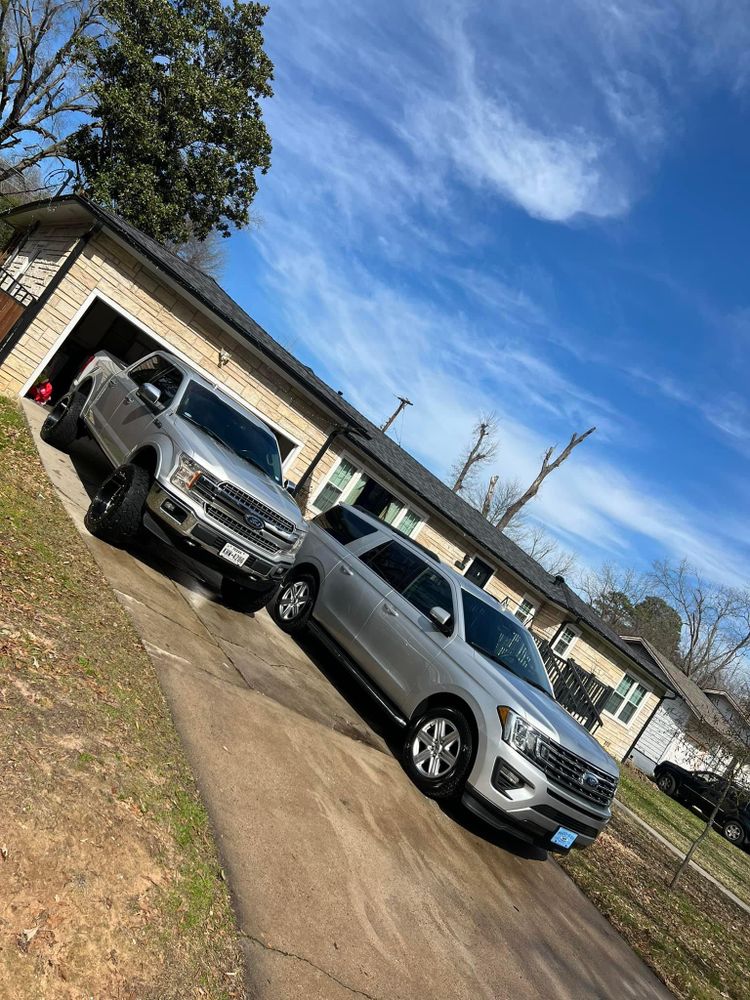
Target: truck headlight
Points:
(187, 473)
(521, 735)
(297, 544)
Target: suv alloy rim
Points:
(436, 748)
(733, 831)
(293, 600)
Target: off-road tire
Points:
(667, 783)
(63, 424)
(241, 598)
(115, 513)
(301, 588)
(448, 781)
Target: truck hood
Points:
(228, 467)
(546, 714)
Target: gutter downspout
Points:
(24, 321)
(642, 730)
(307, 474)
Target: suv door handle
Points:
(346, 571)
(390, 610)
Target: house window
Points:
(623, 703)
(332, 491)
(352, 486)
(565, 641)
(525, 610)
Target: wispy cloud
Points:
(405, 136)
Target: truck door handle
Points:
(346, 571)
(126, 401)
(390, 610)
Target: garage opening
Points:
(101, 328)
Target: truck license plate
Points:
(563, 837)
(233, 554)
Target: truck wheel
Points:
(294, 603)
(242, 598)
(734, 832)
(116, 511)
(438, 751)
(63, 425)
(667, 784)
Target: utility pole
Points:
(403, 402)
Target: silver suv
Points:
(190, 463)
(460, 673)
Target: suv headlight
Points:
(521, 735)
(187, 473)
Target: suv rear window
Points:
(343, 525)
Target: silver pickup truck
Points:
(190, 464)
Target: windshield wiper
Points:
(253, 461)
(507, 666)
(207, 430)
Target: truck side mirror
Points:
(149, 394)
(289, 485)
(442, 619)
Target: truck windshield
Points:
(231, 429)
(503, 641)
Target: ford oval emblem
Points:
(589, 779)
(253, 521)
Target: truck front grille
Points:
(567, 769)
(217, 514)
(207, 487)
(268, 515)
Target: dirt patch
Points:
(111, 887)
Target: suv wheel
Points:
(116, 511)
(294, 603)
(242, 598)
(734, 832)
(63, 425)
(438, 751)
(667, 784)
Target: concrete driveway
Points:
(347, 882)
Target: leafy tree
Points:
(617, 609)
(177, 132)
(658, 622)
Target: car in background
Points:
(702, 790)
(458, 672)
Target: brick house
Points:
(75, 278)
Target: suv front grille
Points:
(217, 514)
(567, 769)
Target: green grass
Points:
(680, 826)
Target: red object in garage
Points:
(42, 392)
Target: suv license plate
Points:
(233, 554)
(563, 837)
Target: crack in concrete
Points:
(306, 961)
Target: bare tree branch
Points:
(548, 465)
(482, 450)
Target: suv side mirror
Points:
(289, 485)
(149, 394)
(442, 619)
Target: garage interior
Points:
(101, 328)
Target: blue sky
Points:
(534, 208)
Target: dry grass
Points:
(111, 887)
(694, 938)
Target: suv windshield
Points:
(490, 632)
(229, 427)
